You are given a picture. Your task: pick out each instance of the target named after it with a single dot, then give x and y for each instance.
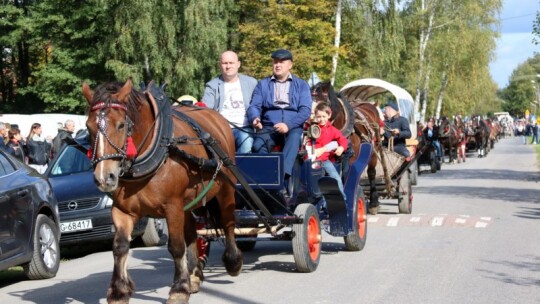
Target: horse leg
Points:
(194, 265)
(121, 286)
(373, 195)
(180, 289)
(232, 256)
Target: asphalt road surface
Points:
(473, 237)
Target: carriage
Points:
(268, 207)
(395, 174)
(298, 209)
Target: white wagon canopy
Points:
(363, 89)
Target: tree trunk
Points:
(424, 38)
(425, 91)
(336, 42)
(444, 84)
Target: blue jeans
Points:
(437, 145)
(401, 149)
(268, 138)
(331, 170)
(243, 139)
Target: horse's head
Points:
(110, 126)
(444, 126)
(324, 92)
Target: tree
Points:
(304, 27)
(174, 41)
(521, 92)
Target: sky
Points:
(515, 44)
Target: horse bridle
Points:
(122, 153)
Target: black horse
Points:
(481, 135)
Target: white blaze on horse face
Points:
(101, 149)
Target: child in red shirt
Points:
(329, 134)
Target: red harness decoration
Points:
(131, 150)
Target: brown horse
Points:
(461, 129)
(128, 131)
(481, 134)
(359, 122)
(450, 139)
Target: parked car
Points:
(29, 220)
(85, 211)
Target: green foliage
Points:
(174, 41)
(521, 93)
(48, 47)
(303, 27)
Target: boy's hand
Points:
(339, 151)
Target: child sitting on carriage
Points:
(325, 150)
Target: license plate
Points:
(82, 225)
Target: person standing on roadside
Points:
(534, 140)
(15, 145)
(3, 135)
(230, 95)
(38, 149)
(64, 134)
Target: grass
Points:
(537, 149)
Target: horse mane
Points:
(104, 93)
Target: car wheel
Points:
(156, 232)
(46, 254)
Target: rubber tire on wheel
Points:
(307, 239)
(356, 240)
(155, 233)
(245, 245)
(46, 254)
(414, 173)
(405, 194)
(434, 162)
(438, 162)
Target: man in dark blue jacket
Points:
(396, 127)
(279, 107)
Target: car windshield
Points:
(71, 161)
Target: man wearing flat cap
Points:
(279, 107)
(396, 127)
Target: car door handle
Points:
(4, 199)
(22, 193)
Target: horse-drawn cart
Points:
(393, 172)
(270, 208)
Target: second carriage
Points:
(395, 174)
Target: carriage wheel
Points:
(414, 173)
(356, 240)
(405, 194)
(155, 233)
(307, 239)
(434, 163)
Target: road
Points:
(473, 237)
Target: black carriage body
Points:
(308, 184)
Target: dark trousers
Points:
(267, 139)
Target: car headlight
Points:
(108, 201)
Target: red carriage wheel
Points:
(356, 239)
(307, 239)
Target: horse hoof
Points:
(178, 298)
(195, 284)
(373, 210)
